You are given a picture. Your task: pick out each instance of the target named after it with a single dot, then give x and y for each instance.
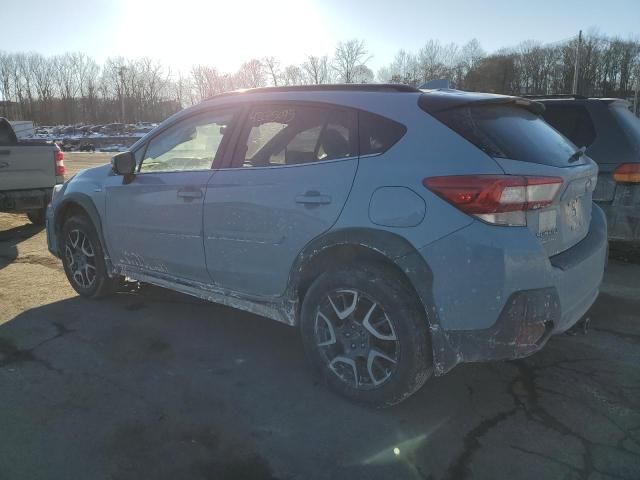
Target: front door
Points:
(294, 165)
(154, 220)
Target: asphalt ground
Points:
(156, 385)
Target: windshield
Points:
(509, 131)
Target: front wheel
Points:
(83, 259)
(366, 333)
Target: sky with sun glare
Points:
(182, 33)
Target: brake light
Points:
(58, 156)
(627, 173)
(497, 199)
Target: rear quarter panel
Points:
(428, 149)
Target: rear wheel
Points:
(37, 217)
(367, 335)
(83, 259)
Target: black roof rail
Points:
(331, 87)
(556, 95)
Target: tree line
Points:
(608, 67)
(73, 88)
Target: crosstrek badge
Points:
(547, 226)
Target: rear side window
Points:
(573, 121)
(628, 122)
(290, 134)
(508, 131)
(378, 134)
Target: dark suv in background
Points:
(611, 135)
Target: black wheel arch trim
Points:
(85, 202)
(400, 252)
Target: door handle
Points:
(5, 152)
(190, 194)
(313, 197)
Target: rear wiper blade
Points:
(577, 154)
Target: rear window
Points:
(378, 134)
(573, 121)
(509, 131)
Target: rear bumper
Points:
(623, 214)
(498, 296)
(22, 201)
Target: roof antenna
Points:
(435, 84)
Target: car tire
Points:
(366, 333)
(83, 259)
(37, 217)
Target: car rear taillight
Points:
(627, 173)
(497, 199)
(58, 156)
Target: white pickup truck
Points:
(29, 169)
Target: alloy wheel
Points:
(80, 256)
(356, 338)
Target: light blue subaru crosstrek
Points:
(403, 231)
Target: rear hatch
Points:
(510, 131)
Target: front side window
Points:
(277, 135)
(191, 144)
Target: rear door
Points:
(523, 144)
(293, 170)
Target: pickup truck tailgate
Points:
(27, 167)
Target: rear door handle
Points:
(190, 193)
(313, 197)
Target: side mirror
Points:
(123, 163)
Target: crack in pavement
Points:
(528, 403)
(12, 355)
(537, 413)
(460, 467)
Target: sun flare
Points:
(222, 33)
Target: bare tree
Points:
(272, 66)
(437, 61)
(293, 75)
(43, 70)
(65, 67)
(403, 69)
(182, 88)
(86, 71)
(251, 74)
(348, 57)
(6, 82)
(470, 54)
(72, 87)
(363, 74)
(317, 69)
